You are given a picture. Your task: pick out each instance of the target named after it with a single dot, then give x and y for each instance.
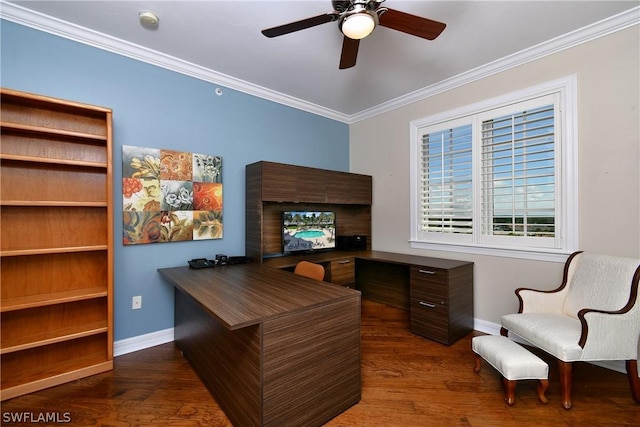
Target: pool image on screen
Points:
(308, 231)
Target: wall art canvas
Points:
(170, 196)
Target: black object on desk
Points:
(352, 243)
(201, 263)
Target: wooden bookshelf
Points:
(56, 242)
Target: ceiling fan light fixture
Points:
(359, 25)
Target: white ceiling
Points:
(221, 41)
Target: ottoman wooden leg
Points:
(478, 362)
(509, 391)
(542, 388)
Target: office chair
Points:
(309, 269)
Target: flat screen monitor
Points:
(306, 231)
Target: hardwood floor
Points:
(406, 381)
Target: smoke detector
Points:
(148, 19)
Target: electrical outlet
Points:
(136, 302)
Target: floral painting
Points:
(170, 196)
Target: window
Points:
(498, 177)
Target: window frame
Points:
(565, 91)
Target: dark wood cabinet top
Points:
(415, 260)
(248, 294)
(285, 167)
(279, 182)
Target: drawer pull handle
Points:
(426, 272)
(344, 261)
(427, 304)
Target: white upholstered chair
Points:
(593, 316)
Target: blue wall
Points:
(155, 107)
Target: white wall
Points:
(609, 157)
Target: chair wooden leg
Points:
(565, 382)
(634, 379)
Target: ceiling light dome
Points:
(359, 23)
(148, 19)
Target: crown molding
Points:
(36, 20)
(20, 15)
(591, 32)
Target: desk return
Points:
(274, 349)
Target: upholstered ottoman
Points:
(513, 361)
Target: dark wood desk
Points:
(274, 349)
(437, 293)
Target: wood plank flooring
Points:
(406, 381)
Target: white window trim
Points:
(566, 87)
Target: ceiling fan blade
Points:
(411, 24)
(300, 25)
(349, 53)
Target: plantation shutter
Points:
(498, 176)
(446, 181)
(518, 173)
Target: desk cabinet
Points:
(441, 302)
(272, 188)
(299, 184)
(342, 271)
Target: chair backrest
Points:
(310, 269)
(600, 282)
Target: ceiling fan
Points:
(357, 19)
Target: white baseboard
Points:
(494, 329)
(129, 345)
(486, 327)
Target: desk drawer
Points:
(430, 275)
(430, 320)
(437, 298)
(429, 284)
(343, 271)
